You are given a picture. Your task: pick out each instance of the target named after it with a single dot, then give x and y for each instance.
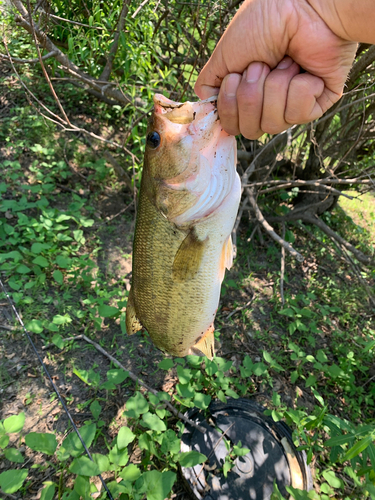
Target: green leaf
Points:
(260, 369)
(335, 371)
(48, 491)
(153, 422)
(62, 262)
(82, 487)
(311, 380)
(156, 485)
(58, 276)
(13, 455)
(59, 319)
(108, 311)
(118, 457)
(202, 401)
(72, 444)
(226, 468)
(166, 364)
(41, 261)
(14, 423)
(123, 323)
(294, 376)
(124, 437)
(95, 409)
(184, 374)
(287, 312)
(22, 269)
(12, 480)
(331, 479)
(39, 247)
(41, 441)
(339, 440)
(58, 341)
(239, 451)
(357, 448)
(117, 376)
(231, 393)
(4, 441)
(102, 461)
(35, 326)
(83, 466)
(191, 458)
(130, 473)
(136, 405)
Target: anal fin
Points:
(206, 345)
(226, 259)
(132, 322)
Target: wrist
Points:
(349, 19)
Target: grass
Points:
(309, 361)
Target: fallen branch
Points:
(269, 229)
(361, 257)
(135, 379)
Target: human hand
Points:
(256, 65)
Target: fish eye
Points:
(153, 140)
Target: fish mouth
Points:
(187, 112)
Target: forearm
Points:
(352, 20)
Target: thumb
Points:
(210, 78)
(242, 43)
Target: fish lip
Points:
(190, 112)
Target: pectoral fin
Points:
(132, 322)
(205, 346)
(188, 257)
(226, 259)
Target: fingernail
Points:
(253, 72)
(285, 63)
(231, 83)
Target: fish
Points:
(188, 201)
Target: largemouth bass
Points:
(188, 201)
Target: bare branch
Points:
(269, 229)
(28, 61)
(113, 51)
(66, 64)
(332, 234)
